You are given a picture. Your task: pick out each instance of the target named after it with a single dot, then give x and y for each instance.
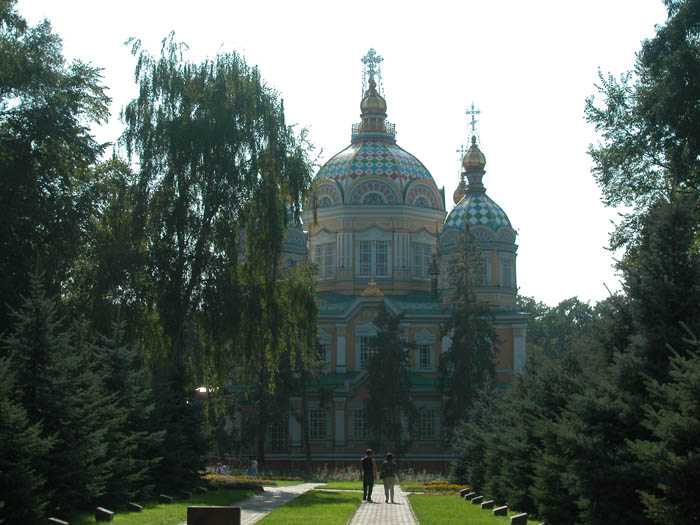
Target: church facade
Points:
(382, 235)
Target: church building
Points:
(382, 234)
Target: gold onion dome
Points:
(373, 102)
(460, 192)
(474, 160)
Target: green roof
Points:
(413, 303)
(420, 381)
(333, 380)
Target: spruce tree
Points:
(131, 440)
(467, 365)
(59, 391)
(22, 495)
(670, 456)
(391, 412)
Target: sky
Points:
(527, 66)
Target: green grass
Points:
(342, 485)
(155, 513)
(315, 508)
(286, 482)
(448, 510)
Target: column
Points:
(519, 340)
(340, 364)
(294, 425)
(339, 404)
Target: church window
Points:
(318, 255)
(507, 273)
(421, 202)
(485, 270)
(322, 349)
(359, 424)
(365, 349)
(381, 258)
(424, 356)
(427, 425)
(324, 259)
(317, 424)
(328, 263)
(365, 257)
(374, 259)
(373, 198)
(279, 434)
(325, 202)
(422, 259)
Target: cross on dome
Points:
(472, 123)
(372, 62)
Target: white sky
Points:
(528, 66)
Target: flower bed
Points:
(433, 487)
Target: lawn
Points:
(315, 508)
(342, 485)
(155, 513)
(448, 510)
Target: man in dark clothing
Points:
(369, 474)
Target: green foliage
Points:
(21, 448)
(650, 122)
(131, 441)
(472, 439)
(60, 392)
(661, 281)
(670, 454)
(559, 330)
(215, 160)
(46, 152)
(391, 413)
(467, 366)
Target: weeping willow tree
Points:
(215, 156)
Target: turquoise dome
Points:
(477, 209)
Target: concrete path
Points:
(378, 512)
(255, 508)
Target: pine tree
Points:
(670, 456)
(391, 412)
(467, 366)
(58, 390)
(662, 283)
(131, 440)
(472, 439)
(22, 495)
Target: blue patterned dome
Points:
(373, 169)
(477, 209)
(375, 159)
(484, 218)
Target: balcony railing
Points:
(390, 129)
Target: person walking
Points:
(389, 475)
(369, 474)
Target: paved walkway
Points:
(255, 508)
(378, 512)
